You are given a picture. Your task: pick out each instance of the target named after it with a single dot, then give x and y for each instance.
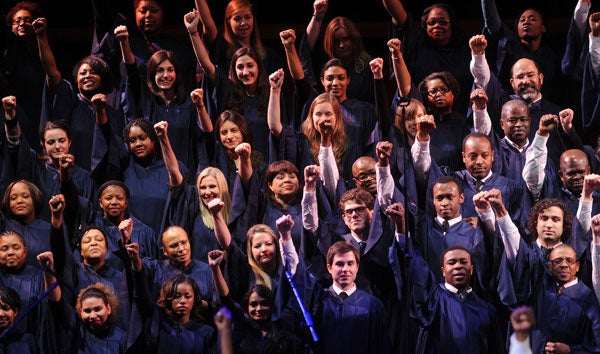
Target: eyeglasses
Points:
(366, 175)
(358, 210)
(443, 90)
(441, 21)
(558, 261)
(19, 20)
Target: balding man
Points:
(363, 174)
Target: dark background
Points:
(70, 21)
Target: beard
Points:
(528, 96)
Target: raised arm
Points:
(274, 108)
(591, 183)
(204, 120)
(11, 124)
(420, 148)
(222, 233)
(288, 39)
(46, 260)
(209, 29)
(401, 73)
(595, 252)
(397, 11)
(244, 153)
(53, 75)
(310, 209)
(191, 23)
(285, 224)
(215, 257)
(122, 35)
(313, 29)
(491, 18)
(175, 176)
(385, 180)
(537, 155)
(479, 66)
(481, 119)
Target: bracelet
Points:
(318, 17)
(395, 58)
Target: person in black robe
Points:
(346, 319)
(12, 339)
(452, 317)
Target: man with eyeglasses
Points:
(545, 275)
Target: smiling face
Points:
(526, 80)
(574, 167)
(140, 144)
(183, 302)
(165, 76)
(550, 226)
(149, 16)
(242, 24)
(457, 268)
(230, 134)
(209, 189)
(335, 80)
(343, 270)
(357, 217)
(12, 252)
(263, 249)
(21, 203)
(21, 23)
(285, 185)
(88, 81)
(323, 112)
(246, 70)
(259, 308)
(7, 315)
(94, 313)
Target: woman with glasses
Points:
(433, 45)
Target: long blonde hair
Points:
(207, 218)
(338, 140)
(259, 273)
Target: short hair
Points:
(537, 66)
(113, 183)
(83, 229)
(545, 21)
(152, 67)
(275, 168)
(10, 297)
(100, 67)
(454, 248)
(36, 196)
(101, 291)
(15, 234)
(476, 135)
(449, 179)
(331, 63)
(147, 127)
(544, 204)
(168, 292)
(358, 195)
(446, 77)
(339, 248)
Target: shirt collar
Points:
(451, 222)
(454, 290)
(338, 290)
(514, 145)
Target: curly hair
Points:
(539, 208)
(338, 140)
(168, 293)
(100, 68)
(359, 196)
(446, 77)
(32, 7)
(148, 128)
(102, 292)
